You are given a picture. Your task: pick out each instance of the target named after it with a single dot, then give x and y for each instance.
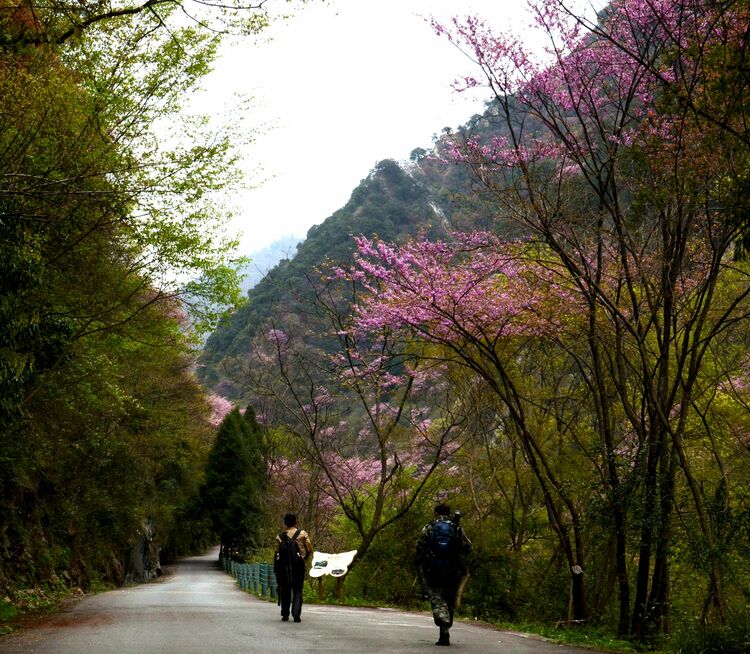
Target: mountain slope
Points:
(392, 202)
(426, 196)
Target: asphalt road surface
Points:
(200, 610)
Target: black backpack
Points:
(442, 551)
(288, 564)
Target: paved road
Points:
(199, 610)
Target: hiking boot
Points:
(298, 619)
(285, 618)
(444, 640)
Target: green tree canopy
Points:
(236, 482)
(103, 223)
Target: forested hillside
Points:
(394, 202)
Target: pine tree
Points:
(236, 481)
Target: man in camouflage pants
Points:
(439, 566)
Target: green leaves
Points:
(106, 221)
(236, 482)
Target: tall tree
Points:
(235, 486)
(101, 224)
(613, 111)
(372, 427)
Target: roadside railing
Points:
(257, 578)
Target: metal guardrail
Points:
(257, 578)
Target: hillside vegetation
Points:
(104, 429)
(392, 202)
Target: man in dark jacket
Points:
(290, 573)
(440, 569)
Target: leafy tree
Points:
(482, 304)
(370, 428)
(234, 491)
(116, 410)
(101, 223)
(56, 23)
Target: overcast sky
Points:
(335, 89)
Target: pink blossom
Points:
(220, 407)
(606, 74)
(477, 286)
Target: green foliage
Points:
(60, 24)
(585, 637)
(235, 486)
(387, 575)
(103, 427)
(7, 610)
(730, 638)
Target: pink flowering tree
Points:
(629, 189)
(220, 408)
(485, 303)
(367, 424)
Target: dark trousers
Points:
(290, 595)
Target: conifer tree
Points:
(234, 491)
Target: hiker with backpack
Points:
(440, 568)
(293, 546)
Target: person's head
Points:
(290, 519)
(442, 510)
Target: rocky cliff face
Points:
(143, 562)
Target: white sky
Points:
(339, 87)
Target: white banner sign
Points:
(335, 565)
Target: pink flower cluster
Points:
(607, 73)
(220, 407)
(353, 473)
(476, 286)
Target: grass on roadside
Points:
(579, 636)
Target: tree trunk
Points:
(640, 608)
(621, 565)
(577, 593)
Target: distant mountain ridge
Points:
(264, 260)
